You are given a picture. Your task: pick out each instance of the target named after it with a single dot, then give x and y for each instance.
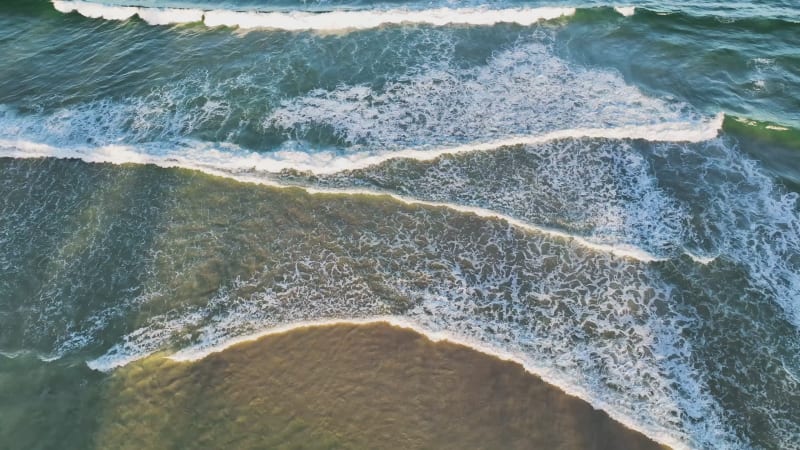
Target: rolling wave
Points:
(324, 21)
(343, 20)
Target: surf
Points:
(344, 20)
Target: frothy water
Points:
(321, 21)
(458, 286)
(517, 97)
(520, 91)
(490, 285)
(617, 242)
(599, 188)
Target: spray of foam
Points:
(324, 21)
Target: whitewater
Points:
(602, 193)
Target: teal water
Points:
(610, 197)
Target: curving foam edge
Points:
(323, 21)
(549, 376)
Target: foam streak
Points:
(324, 21)
(320, 163)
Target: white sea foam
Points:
(355, 20)
(329, 162)
(604, 189)
(521, 95)
(321, 21)
(233, 159)
(525, 90)
(153, 16)
(169, 16)
(755, 222)
(626, 11)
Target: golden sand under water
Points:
(348, 386)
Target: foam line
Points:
(124, 155)
(229, 158)
(359, 20)
(153, 16)
(662, 132)
(323, 21)
(197, 353)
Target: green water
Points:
(653, 273)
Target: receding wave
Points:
(322, 21)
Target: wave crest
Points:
(322, 21)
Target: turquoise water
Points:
(609, 195)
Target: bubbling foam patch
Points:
(602, 189)
(344, 20)
(523, 95)
(525, 90)
(739, 213)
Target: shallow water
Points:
(607, 195)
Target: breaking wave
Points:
(319, 21)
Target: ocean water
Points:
(606, 193)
